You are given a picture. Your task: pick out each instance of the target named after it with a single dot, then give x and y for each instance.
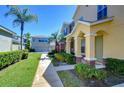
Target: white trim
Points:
(101, 21)
(78, 56)
(90, 59)
(90, 34)
(6, 30)
(85, 23)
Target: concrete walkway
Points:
(46, 76)
(70, 67)
(66, 67)
(119, 85)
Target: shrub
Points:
(24, 54)
(65, 57)
(51, 54)
(69, 58)
(32, 50)
(115, 66)
(87, 72)
(59, 57)
(7, 58)
(54, 61)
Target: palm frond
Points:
(14, 10)
(25, 11)
(16, 22)
(30, 18)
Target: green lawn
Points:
(20, 74)
(69, 80)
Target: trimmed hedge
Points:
(115, 66)
(7, 58)
(87, 72)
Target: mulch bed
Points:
(111, 80)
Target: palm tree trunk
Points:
(22, 28)
(56, 46)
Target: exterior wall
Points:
(16, 47)
(113, 44)
(89, 13)
(40, 46)
(5, 41)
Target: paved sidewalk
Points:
(119, 85)
(46, 76)
(66, 67)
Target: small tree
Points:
(28, 43)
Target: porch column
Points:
(90, 48)
(68, 43)
(77, 49)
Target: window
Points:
(33, 40)
(101, 11)
(65, 31)
(40, 41)
(43, 40)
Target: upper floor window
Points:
(65, 31)
(33, 40)
(101, 11)
(43, 40)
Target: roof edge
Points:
(6, 29)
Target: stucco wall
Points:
(15, 47)
(5, 41)
(89, 13)
(113, 39)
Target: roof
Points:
(76, 11)
(63, 25)
(39, 36)
(91, 23)
(6, 30)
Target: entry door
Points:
(99, 47)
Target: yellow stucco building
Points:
(98, 33)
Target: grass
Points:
(69, 80)
(20, 74)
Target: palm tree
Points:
(61, 37)
(54, 37)
(22, 16)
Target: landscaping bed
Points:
(20, 74)
(59, 59)
(89, 76)
(70, 78)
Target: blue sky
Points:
(50, 19)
